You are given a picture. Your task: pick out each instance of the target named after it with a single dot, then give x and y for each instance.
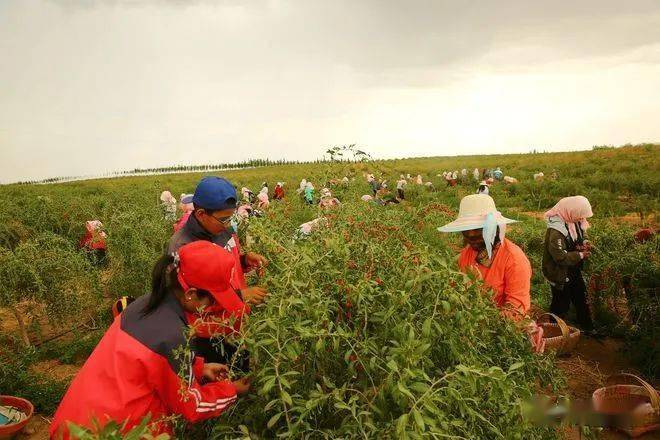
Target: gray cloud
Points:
(146, 83)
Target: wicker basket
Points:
(628, 395)
(557, 335)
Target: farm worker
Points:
(501, 264)
(370, 178)
(464, 174)
(476, 175)
(345, 180)
(185, 202)
(375, 185)
(309, 193)
(419, 180)
(307, 228)
(187, 207)
(565, 249)
(134, 371)
(453, 178)
(510, 180)
(400, 184)
(248, 196)
(278, 194)
(381, 199)
(429, 186)
(366, 198)
(168, 204)
(93, 242)
(497, 174)
(244, 212)
(215, 204)
(94, 238)
(483, 188)
(327, 201)
(303, 185)
(263, 198)
(539, 176)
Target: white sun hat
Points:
(478, 211)
(473, 213)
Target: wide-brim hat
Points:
(473, 212)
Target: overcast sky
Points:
(93, 86)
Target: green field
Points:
(368, 331)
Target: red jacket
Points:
(134, 372)
(92, 241)
(226, 316)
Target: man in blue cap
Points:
(214, 204)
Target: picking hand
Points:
(242, 385)
(214, 372)
(255, 260)
(254, 295)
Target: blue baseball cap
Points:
(215, 193)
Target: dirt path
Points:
(588, 367)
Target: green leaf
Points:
(404, 390)
(273, 420)
(286, 398)
(516, 366)
(419, 419)
(270, 383)
(401, 424)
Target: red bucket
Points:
(8, 431)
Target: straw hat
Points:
(473, 213)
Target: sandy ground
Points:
(587, 369)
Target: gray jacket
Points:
(560, 259)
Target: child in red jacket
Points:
(136, 369)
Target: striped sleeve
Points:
(195, 402)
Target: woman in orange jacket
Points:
(500, 263)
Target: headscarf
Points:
(303, 185)
(167, 198)
(93, 225)
(186, 207)
(572, 210)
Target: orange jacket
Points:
(509, 277)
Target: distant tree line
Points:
(250, 163)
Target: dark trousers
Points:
(400, 192)
(222, 353)
(573, 291)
